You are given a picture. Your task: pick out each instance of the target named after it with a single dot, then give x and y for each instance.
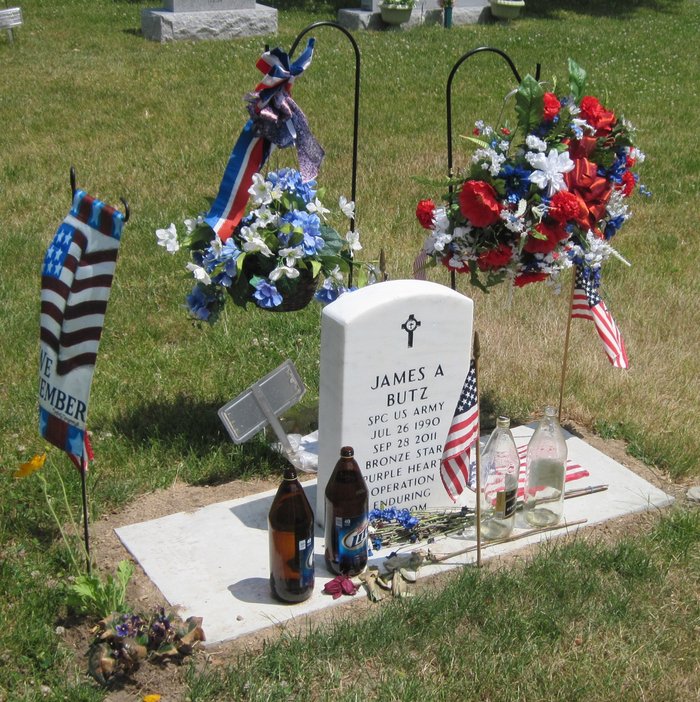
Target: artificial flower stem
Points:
(44, 485)
(440, 558)
(476, 354)
(565, 360)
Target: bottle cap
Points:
(347, 452)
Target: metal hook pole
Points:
(127, 210)
(356, 107)
(72, 181)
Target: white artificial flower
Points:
(317, 207)
(534, 143)
(438, 242)
(489, 159)
(217, 246)
(168, 238)
(286, 271)
(192, 224)
(579, 126)
(199, 273)
(616, 206)
(263, 217)
(256, 244)
(347, 207)
(441, 222)
(260, 190)
(549, 170)
(336, 274)
(636, 154)
(291, 255)
(353, 239)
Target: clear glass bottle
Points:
(500, 467)
(546, 467)
(291, 538)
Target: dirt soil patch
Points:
(167, 680)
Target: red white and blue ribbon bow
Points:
(275, 121)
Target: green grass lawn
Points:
(155, 124)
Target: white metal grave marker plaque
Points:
(394, 357)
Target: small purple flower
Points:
(266, 295)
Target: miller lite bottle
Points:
(347, 519)
(291, 536)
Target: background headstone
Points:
(207, 19)
(394, 357)
(368, 14)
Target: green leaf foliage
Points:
(529, 103)
(577, 80)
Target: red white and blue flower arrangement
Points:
(283, 243)
(540, 196)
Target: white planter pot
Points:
(506, 9)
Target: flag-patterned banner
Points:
(275, 121)
(587, 304)
(76, 280)
(464, 431)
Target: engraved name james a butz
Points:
(409, 375)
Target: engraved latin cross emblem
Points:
(409, 326)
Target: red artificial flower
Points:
(628, 183)
(554, 234)
(597, 116)
(526, 278)
(551, 107)
(505, 131)
(495, 258)
(593, 191)
(340, 585)
(565, 207)
(425, 211)
(478, 202)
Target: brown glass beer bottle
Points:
(291, 536)
(346, 523)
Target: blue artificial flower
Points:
(616, 171)
(266, 295)
(226, 255)
(200, 303)
(612, 226)
(517, 182)
(291, 182)
(326, 294)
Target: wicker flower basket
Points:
(296, 293)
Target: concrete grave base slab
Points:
(163, 25)
(213, 562)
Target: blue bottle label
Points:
(351, 533)
(305, 559)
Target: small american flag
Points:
(587, 304)
(464, 431)
(76, 280)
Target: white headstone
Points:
(394, 357)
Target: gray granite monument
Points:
(208, 19)
(368, 15)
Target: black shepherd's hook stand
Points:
(453, 281)
(448, 102)
(83, 463)
(73, 188)
(356, 108)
